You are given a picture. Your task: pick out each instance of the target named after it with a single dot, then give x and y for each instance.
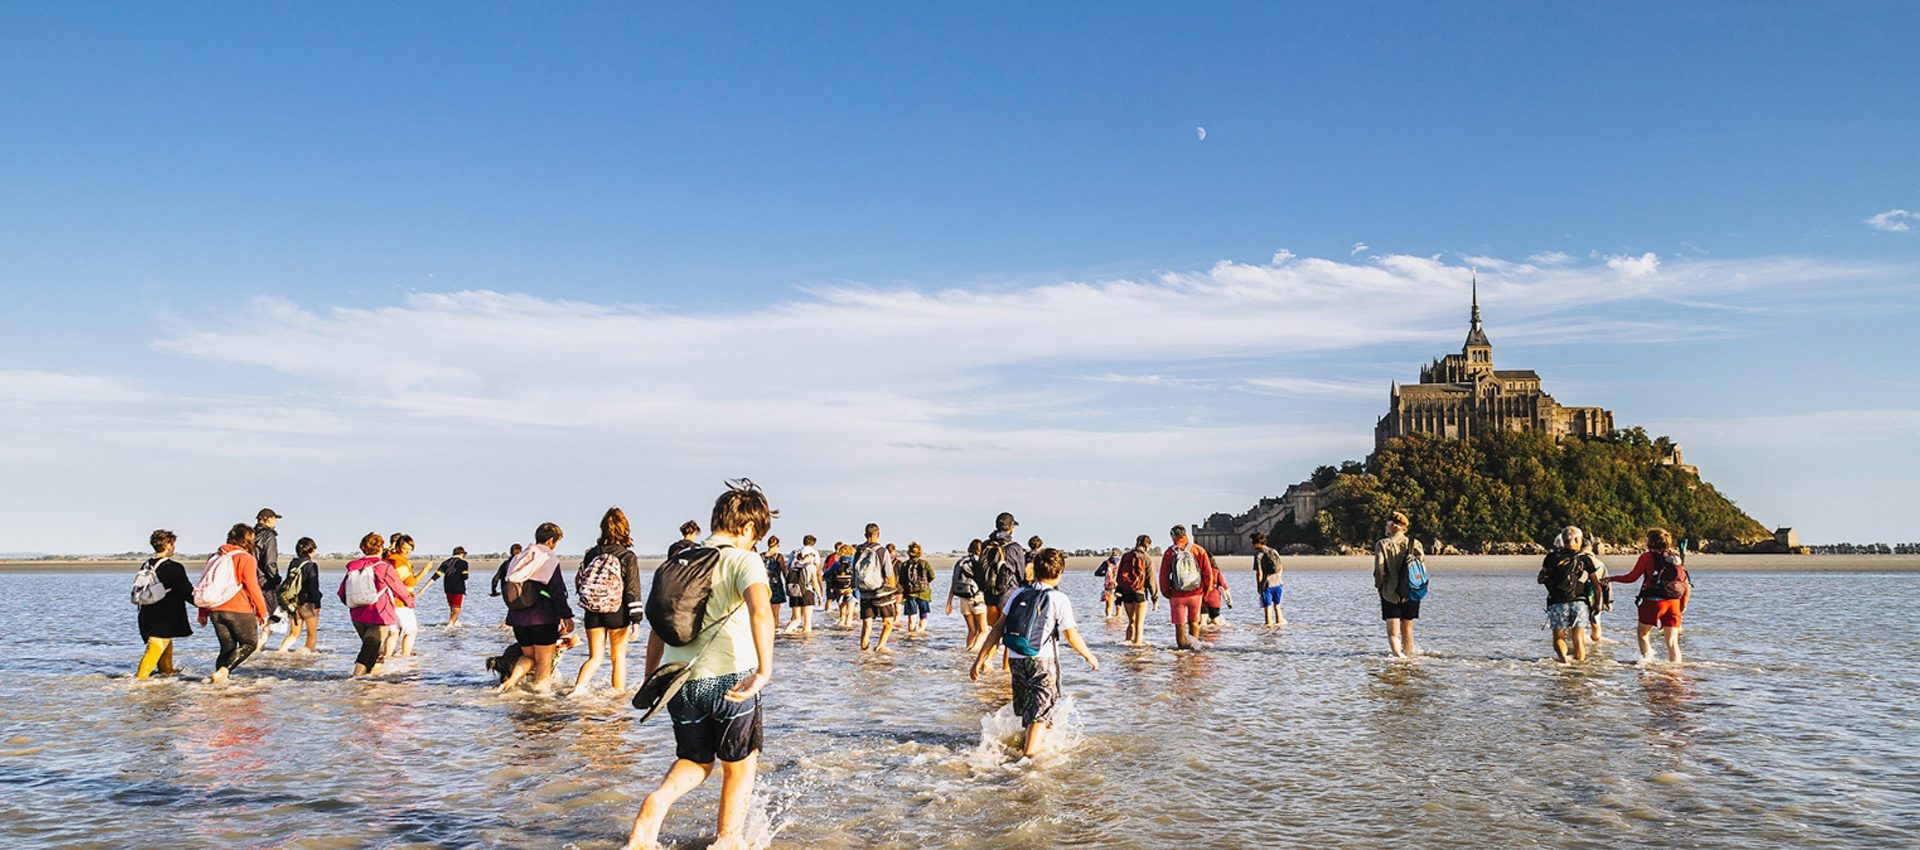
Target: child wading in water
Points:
(1034, 621)
(716, 714)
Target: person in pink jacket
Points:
(372, 621)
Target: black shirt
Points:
(454, 571)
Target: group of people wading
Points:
(713, 612)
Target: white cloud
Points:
(1358, 249)
(1645, 265)
(1893, 221)
(1314, 388)
(1087, 407)
(1550, 258)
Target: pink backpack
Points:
(219, 582)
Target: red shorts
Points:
(1185, 609)
(1661, 612)
(454, 599)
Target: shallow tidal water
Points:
(1791, 725)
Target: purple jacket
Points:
(551, 609)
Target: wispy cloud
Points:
(1313, 388)
(1085, 404)
(1893, 221)
(1358, 249)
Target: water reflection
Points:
(1671, 714)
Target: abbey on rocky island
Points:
(1462, 395)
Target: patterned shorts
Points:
(1567, 615)
(706, 726)
(1036, 688)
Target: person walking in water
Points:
(717, 713)
(228, 595)
(1567, 572)
(611, 597)
(1268, 579)
(840, 584)
(453, 572)
(1035, 620)
(966, 590)
(916, 589)
(1664, 592)
(877, 578)
(1186, 574)
(500, 574)
(535, 584)
(266, 559)
(1106, 572)
(164, 593)
(1599, 594)
(1001, 566)
(1133, 587)
(303, 575)
(407, 620)
(1391, 555)
(371, 590)
(804, 586)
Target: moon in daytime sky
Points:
(1201, 132)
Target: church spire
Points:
(1476, 297)
(1475, 335)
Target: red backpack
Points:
(1667, 579)
(1132, 575)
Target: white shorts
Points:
(408, 621)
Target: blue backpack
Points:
(1414, 586)
(1026, 627)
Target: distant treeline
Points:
(1513, 486)
(1865, 549)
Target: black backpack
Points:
(840, 575)
(797, 587)
(916, 578)
(1564, 576)
(964, 586)
(677, 604)
(994, 571)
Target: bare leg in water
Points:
(736, 789)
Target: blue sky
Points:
(462, 268)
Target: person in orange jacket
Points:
(229, 595)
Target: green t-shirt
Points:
(731, 649)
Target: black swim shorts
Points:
(546, 635)
(706, 726)
(1399, 610)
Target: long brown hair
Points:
(1659, 539)
(615, 530)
